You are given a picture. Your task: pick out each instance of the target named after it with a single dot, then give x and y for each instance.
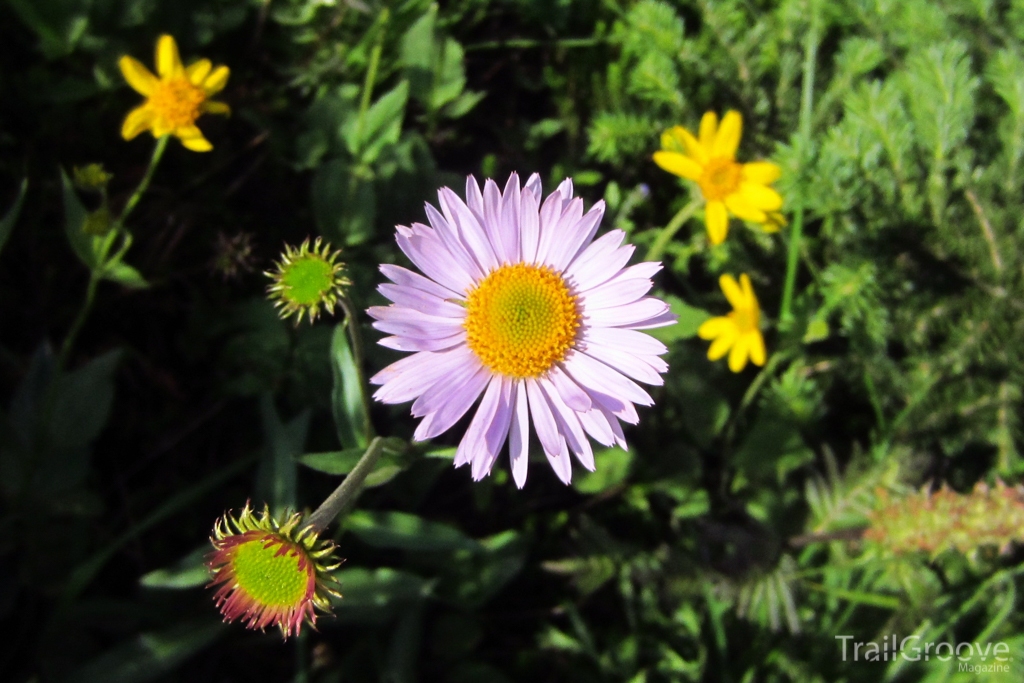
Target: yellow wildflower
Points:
(739, 332)
(727, 186)
(176, 98)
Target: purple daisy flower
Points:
(522, 305)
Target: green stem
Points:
(530, 42)
(102, 260)
(349, 488)
(158, 152)
(371, 76)
(76, 327)
(806, 109)
(748, 397)
(669, 231)
(356, 339)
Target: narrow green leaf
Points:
(149, 655)
(11, 217)
(74, 219)
(284, 441)
(374, 596)
(347, 398)
(406, 532)
(188, 572)
(126, 275)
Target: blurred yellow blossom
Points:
(737, 333)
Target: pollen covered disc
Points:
(275, 573)
(177, 102)
(521, 320)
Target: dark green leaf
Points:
(284, 441)
(11, 217)
(406, 532)
(188, 572)
(346, 398)
(149, 655)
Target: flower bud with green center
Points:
(269, 572)
(306, 279)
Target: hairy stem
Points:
(349, 488)
(669, 231)
(806, 110)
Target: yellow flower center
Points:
(177, 101)
(272, 574)
(746, 319)
(521, 320)
(721, 177)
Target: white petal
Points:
(623, 316)
(410, 344)
(457, 399)
(435, 261)
(596, 425)
(473, 447)
(570, 425)
(406, 278)
(421, 301)
(614, 293)
(449, 235)
(625, 340)
(573, 395)
(406, 379)
(543, 420)
(574, 234)
(519, 435)
(474, 200)
(560, 462)
(509, 225)
(560, 234)
(494, 224)
(470, 230)
(533, 184)
(625, 362)
(529, 227)
(599, 263)
(595, 375)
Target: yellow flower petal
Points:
(721, 346)
(216, 81)
(759, 196)
(716, 327)
(678, 164)
(742, 209)
(750, 299)
(168, 61)
(775, 222)
(692, 146)
(137, 121)
(161, 127)
(198, 71)
(138, 76)
(215, 108)
(739, 352)
(733, 292)
(671, 140)
(762, 172)
(708, 128)
(192, 138)
(716, 218)
(728, 137)
(757, 350)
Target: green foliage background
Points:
(722, 547)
